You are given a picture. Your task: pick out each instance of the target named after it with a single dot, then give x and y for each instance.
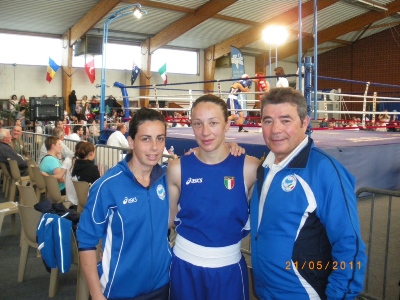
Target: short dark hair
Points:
(279, 71)
(286, 95)
(213, 99)
(51, 140)
(142, 115)
(82, 149)
(77, 128)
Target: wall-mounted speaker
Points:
(223, 62)
(89, 44)
(46, 109)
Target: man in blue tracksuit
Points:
(128, 209)
(306, 241)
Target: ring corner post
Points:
(307, 91)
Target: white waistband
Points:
(232, 97)
(209, 257)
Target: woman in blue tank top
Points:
(211, 187)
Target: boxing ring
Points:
(372, 157)
(368, 150)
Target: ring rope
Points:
(187, 98)
(359, 82)
(149, 86)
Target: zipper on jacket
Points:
(152, 236)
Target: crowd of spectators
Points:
(82, 123)
(86, 112)
(382, 122)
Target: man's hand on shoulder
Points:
(235, 149)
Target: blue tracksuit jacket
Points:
(308, 243)
(132, 221)
(54, 241)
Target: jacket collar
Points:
(156, 173)
(301, 159)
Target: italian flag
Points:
(163, 73)
(229, 182)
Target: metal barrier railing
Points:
(106, 156)
(33, 142)
(379, 212)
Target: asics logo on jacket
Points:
(129, 200)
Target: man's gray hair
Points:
(286, 95)
(58, 132)
(3, 133)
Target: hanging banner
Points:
(237, 62)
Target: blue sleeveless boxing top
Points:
(213, 201)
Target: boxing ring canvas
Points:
(372, 157)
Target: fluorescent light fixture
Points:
(373, 5)
(275, 35)
(137, 12)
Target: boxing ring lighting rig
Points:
(274, 35)
(135, 10)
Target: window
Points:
(29, 50)
(178, 61)
(33, 50)
(121, 57)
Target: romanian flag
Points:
(52, 68)
(163, 73)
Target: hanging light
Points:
(127, 10)
(137, 12)
(275, 35)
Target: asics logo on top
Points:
(129, 200)
(194, 180)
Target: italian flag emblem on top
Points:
(229, 182)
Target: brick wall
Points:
(374, 59)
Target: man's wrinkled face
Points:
(17, 132)
(282, 129)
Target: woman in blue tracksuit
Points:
(128, 209)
